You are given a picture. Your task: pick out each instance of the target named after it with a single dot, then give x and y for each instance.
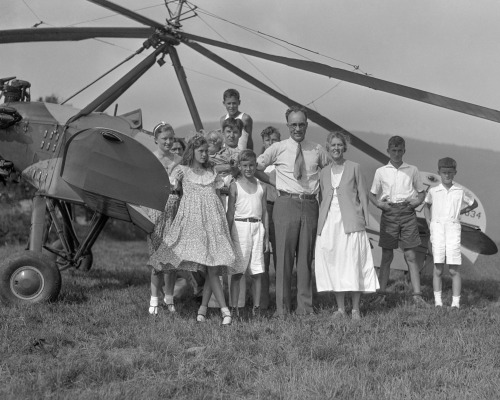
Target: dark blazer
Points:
(352, 196)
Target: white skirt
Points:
(343, 262)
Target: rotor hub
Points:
(27, 282)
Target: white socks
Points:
(437, 299)
(153, 302)
(455, 302)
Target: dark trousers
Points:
(295, 224)
(264, 298)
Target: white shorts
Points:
(445, 239)
(248, 240)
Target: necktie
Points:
(299, 163)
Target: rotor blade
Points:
(312, 115)
(362, 80)
(127, 13)
(69, 34)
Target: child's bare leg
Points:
(219, 296)
(170, 277)
(385, 268)
(356, 296)
(456, 284)
(411, 259)
(234, 290)
(216, 287)
(207, 293)
(156, 284)
(437, 284)
(340, 297)
(256, 289)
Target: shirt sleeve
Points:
(417, 181)
(428, 197)
(268, 157)
(467, 198)
(375, 189)
(219, 181)
(324, 157)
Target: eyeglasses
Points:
(300, 125)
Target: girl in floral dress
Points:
(164, 138)
(199, 239)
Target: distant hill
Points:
(474, 165)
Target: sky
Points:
(445, 47)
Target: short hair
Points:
(162, 127)
(295, 108)
(195, 142)
(396, 141)
(269, 131)
(181, 142)
(447, 162)
(218, 133)
(339, 135)
(230, 93)
(247, 155)
(233, 123)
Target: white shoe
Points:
(153, 310)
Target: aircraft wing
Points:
(109, 170)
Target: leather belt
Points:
(247, 219)
(270, 202)
(176, 192)
(301, 196)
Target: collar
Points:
(441, 187)
(404, 165)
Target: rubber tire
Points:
(43, 265)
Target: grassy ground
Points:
(98, 342)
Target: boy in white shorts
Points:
(248, 223)
(443, 208)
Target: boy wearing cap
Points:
(444, 204)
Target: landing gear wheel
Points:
(87, 261)
(29, 277)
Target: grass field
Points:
(98, 342)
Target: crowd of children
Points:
(219, 221)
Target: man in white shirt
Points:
(297, 164)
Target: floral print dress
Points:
(199, 236)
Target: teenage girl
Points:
(164, 138)
(199, 239)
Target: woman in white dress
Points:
(343, 259)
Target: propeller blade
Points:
(476, 241)
(312, 115)
(362, 80)
(128, 13)
(71, 33)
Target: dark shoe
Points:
(418, 301)
(378, 300)
(339, 314)
(256, 311)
